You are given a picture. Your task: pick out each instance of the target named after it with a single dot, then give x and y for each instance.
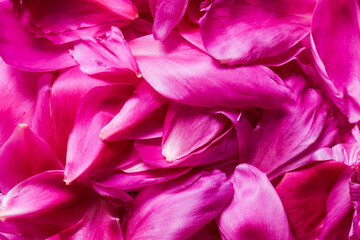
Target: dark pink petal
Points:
(304, 194)
(192, 77)
(209, 232)
(70, 20)
(140, 109)
(17, 99)
(111, 54)
(168, 14)
(46, 203)
(85, 147)
(101, 221)
(339, 211)
(225, 148)
(188, 129)
(23, 50)
(179, 208)
(66, 94)
(245, 31)
(23, 155)
(286, 139)
(256, 211)
(335, 39)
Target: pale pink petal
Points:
(187, 129)
(194, 78)
(168, 14)
(111, 54)
(23, 155)
(245, 31)
(256, 211)
(66, 94)
(335, 39)
(179, 208)
(46, 203)
(23, 50)
(143, 105)
(69, 20)
(85, 147)
(101, 221)
(304, 194)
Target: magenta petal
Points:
(85, 147)
(101, 221)
(208, 84)
(168, 14)
(66, 94)
(23, 50)
(23, 155)
(304, 194)
(111, 54)
(187, 129)
(143, 104)
(243, 219)
(45, 202)
(245, 31)
(70, 20)
(335, 44)
(179, 208)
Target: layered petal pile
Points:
(188, 119)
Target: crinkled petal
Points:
(85, 147)
(194, 78)
(245, 31)
(256, 211)
(179, 208)
(335, 44)
(23, 50)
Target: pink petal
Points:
(245, 31)
(96, 110)
(255, 211)
(335, 39)
(225, 148)
(46, 203)
(191, 32)
(66, 94)
(70, 20)
(101, 221)
(111, 54)
(188, 129)
(143, 105)
(168, 14)
(304, 194)
(179, 208)
(23, 50)
(23, 155)
(208, 84)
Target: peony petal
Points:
(143, 104)
(192, 77)
(23, 155)
(168, 14)
(188, 129)
(66, 94)
(179, 208)
(97, 108)
(111, 54)
(335, 39)
(46, 203)
(70, 20)
(255, 211)
(24, 51)
(245, 31)
(101, 221)
(304, 194)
